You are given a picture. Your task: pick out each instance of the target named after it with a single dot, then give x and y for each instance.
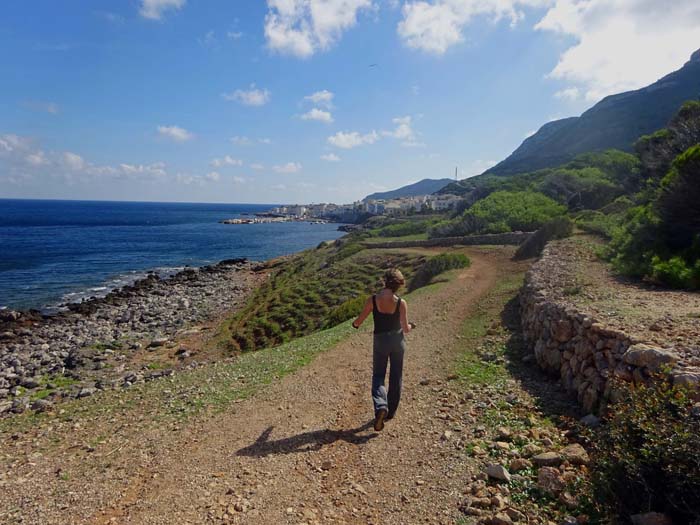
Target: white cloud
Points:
(319, 115)
(289, 167)
(238, 180)
(37, 158)
(175, 133)
(278, 187)
(265, 140)
(404, 132)
(435, 25)
(227, 160)
(73, 161)
(213, 176)
(154, 9)
(12, 144)
(622, 44)
(570, 94)
(257, 166)
(234, 35)
(330, 157)
(249, 97)
(403, 129)
(352, 139)
(321, 98)
(303, 27)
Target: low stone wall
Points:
(586, 355)
(511, 238)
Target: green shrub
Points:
(676, 272)
(633, 246)
(660, 240)
(510, 211)
(502, 211)
(648, 455)
(349, 309)
(585, 188)
(599, 223)
(437, 265)
(679, 200)
(404, 228)
(557, 228)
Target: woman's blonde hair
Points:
(393, 279)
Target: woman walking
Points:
(390, 324)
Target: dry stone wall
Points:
(585, 354)
(510, 239)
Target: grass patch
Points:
(479, 364)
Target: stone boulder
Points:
(643, 355)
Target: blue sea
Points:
(53, 252)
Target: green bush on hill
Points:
(437, 265)
(404, 228)
(648, 455)
(502, 211)
(660, 240)
(585, 188)
(315, 289)
(658, 151)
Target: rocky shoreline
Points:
(75, 353)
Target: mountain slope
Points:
(422, 187)
(614, 122)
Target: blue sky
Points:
(303, 100)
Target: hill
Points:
(613, 123)
(422, 187)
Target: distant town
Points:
(350, 212)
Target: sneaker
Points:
(390, 415)
(379, 419)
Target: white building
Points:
(443, 202)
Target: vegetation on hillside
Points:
(437, 265)
(315, 289)
(647, 455)
(659, 238)
(502, 211)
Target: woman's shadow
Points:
(305, 442)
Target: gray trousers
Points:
(388, 348)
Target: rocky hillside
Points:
(614, 122)
(422, 187)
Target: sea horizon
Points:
(57, 251)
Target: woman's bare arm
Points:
(405, 325)
(363, 315)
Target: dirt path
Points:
(303, 450)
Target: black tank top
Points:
(384, 323)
